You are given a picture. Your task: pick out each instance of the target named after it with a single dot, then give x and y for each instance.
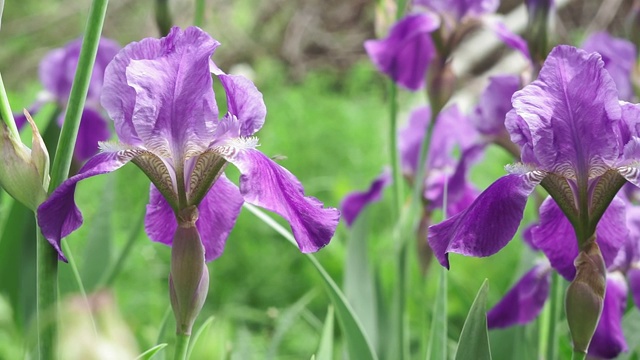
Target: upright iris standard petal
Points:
(488, 224)
(564, 120)
(162, 87)
(619, 56)
(555, 236)
(58, 216)
(245, 102)
(218, 212)
(356, 201)
(406, 52)
(174, 102)
(608, 341)
(524, 301)
(266, 184)
(495, 102)
(93, 130)
(410, 139)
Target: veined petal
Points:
(266, 184)
(59, 216)
(245, 102)
(495, 102)
(93, 130)
(406, 52)
(619, 56)
(218, 212)
(488, 224)
(355, 202)
(556, 237)
(564, 121)
(608, 341)
(158, 92)
(524, 301)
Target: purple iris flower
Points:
(159, 94)
(353, 204)
(56, 72)
(619, 56)
(579, 142)
(494, 104)
(404, 55)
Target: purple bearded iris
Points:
(578, 141)
(56, 73)
(159, 94)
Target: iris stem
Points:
(198, 16)
(554, 312)
(182, 345)
(163, 17)
(46, 297)
(5, 110)
(393, 140)
(47, 273)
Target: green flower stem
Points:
(46, 298)
(393, 141)
(5, 110)
(47, 273)
(163, 17)
(549, 326)
(578, 356)
(182, 345)
(198, 16)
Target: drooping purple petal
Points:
(634, 283)
(245, 102)
(59, 216)
(555, 236)
(460, 8)
(488, 224)
(93, 129)
(218, 212)
(495, 102)
(619, 56)
(524, 301)
(158, 92)
(406, 52)
(629, 127)
(608, 341)
(355, 202)
(564, 121)
(266, 184)
(58, 68)
(511, 39)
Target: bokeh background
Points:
(327, 120)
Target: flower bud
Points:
(24, 172)
(537, 27)
(585, 296)
(189, 278)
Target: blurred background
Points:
(327, 118)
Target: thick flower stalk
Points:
(159, 94)
(56, 72)
(577, 141)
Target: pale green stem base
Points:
(182, 345)
(47, 294)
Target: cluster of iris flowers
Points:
(568, 120)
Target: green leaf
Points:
(286, 321)
(98, 251)
(359, 283)
(438, 341)
(631, 328)
(194, 339)
(358, 346)
(325, 349)
(151, 352)
(474, 339)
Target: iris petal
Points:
(488, 224)
(266, 184)
(355, 202)
(608, 341)
(59, 216)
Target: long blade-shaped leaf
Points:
(285, 322)
(438, 340)
(325, 349)
(151, 352)
(358, 345)
(631, 327)
(474, 339)
(194, 339)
